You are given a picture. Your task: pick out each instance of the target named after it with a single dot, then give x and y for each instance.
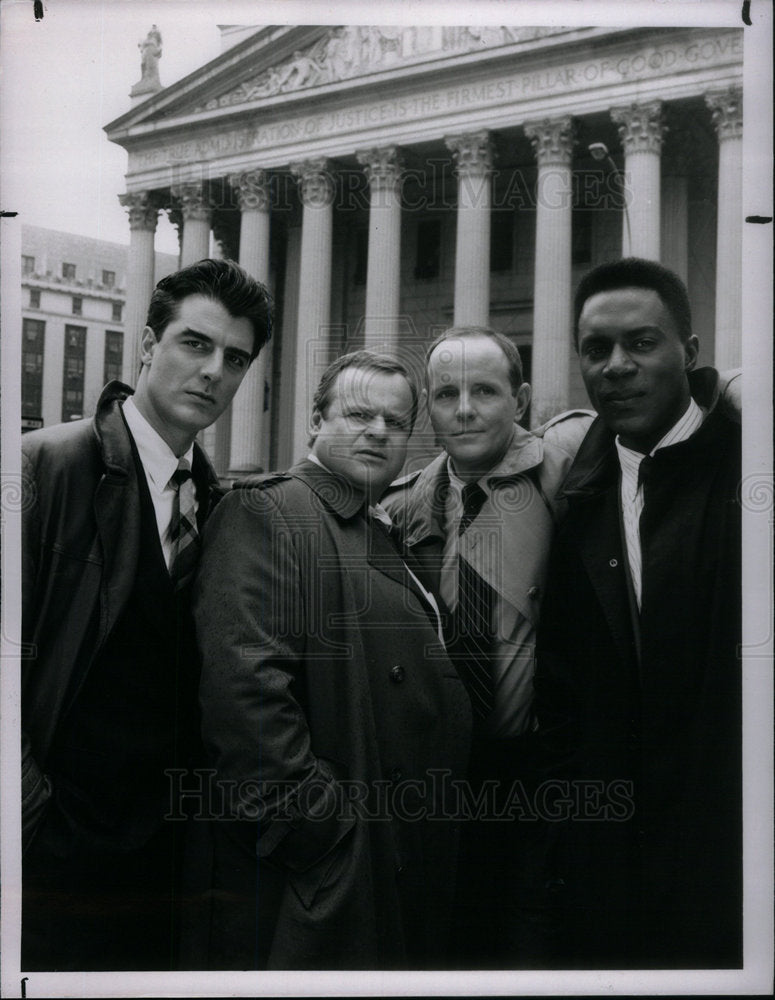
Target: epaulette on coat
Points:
(260, 480)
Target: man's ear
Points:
(314, 423)
(523, 400)
(691, 350)
(148, 344)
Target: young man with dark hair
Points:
(638, 686)
(335, 722)
(113, 510)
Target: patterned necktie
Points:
(473, 646)
(183, 531)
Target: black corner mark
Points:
(761, 219)
(24, 986)
(8, 215)
(37, 9)
(746, 12)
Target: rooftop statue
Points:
(150, 54)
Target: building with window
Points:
(388, 182)
(73, 331)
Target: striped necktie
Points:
(473, 647)
(183, 530)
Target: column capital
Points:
(193, 201)
(473, 152)
(252, 187)
(641, 127)
(553, 140)
(726, 108)
(316, 182)
(142, 208)
(382, 165)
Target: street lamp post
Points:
(599, 152)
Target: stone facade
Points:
(388, 182)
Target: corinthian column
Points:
(553, 143)
(727, 110)
(143, 213)
(247, 408)
(641, 131)
(383, 168)
(473, 155)
(196, 211)
(316, 185)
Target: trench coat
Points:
(337, 725)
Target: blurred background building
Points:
(73, 304)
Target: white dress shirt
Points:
(159, 463)
(632, 493)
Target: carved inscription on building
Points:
(646, 63)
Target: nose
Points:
(212, 366)
(619, 363)
(465, 409)
(376, 427)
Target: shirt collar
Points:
(456, 483)
(159, 460)
(682, 429)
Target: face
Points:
(190, 374)
(634, 364)
(364, 433)
(471, 403)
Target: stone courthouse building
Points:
(388, 182)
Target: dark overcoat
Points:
(80, 544)
(642, 713)
(336, 725)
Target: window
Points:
(108, 278)
(33, 338)
(116, 317)
(77, 305)
(68, 272)
(34, 298)
(114, 349)
(428, 256)
(361, 256)
(75, 362)
(501, 241)
(28, 264)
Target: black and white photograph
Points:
(386, 556)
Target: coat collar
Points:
(341, 496)
(596, 466)
(111, 433)
(427, 497)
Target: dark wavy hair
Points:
(223, 281)
(636, 272)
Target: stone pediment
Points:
(346, 52)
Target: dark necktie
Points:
(644, 470)
(183, 530)
(473, 645)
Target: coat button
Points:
(613, 563)
(397, 674)
(533, 593)
(396, 774)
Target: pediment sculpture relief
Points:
(358, 50)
